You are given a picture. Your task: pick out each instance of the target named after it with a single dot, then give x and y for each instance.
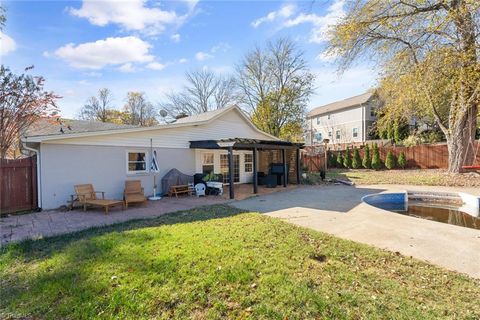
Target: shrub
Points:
(367, 158)
(339, 160)
(402, 160)
(411, 141)
(376, 162)
(356, 161)
(332, 160)
(390, 160)
(347, 160)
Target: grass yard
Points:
(428, 177)
(216, 262)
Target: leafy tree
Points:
(367, 158)
(98, 108)
(275, 85)
(390, 160)
(339, 160)
(402, 160)
(347, 160)
(204, 91)
(429, 53)
(23, 101)
(376, 162)
(139, 111)
(356, 160)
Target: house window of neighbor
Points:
(337, 135)
(207, 162)
(248, 162)
(355, 132)
(330, 134)
(137, 162)
(328, 117)
(372, 112)
(318, 120)
(318, 136)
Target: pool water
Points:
(441, 213)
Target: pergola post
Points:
(285, 173)
(230, 172)
(255, 171)
(297, 162)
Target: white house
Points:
(106, 154)
(342, 122)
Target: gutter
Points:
(39, 176)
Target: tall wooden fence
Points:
(427, 156)
(18, 185)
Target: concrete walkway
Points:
(49, 223)
(338, 210)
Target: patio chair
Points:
(133, 192)
(86, 195)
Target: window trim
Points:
(355, 134)
(147, 169)
(208, 164)
(245, 162)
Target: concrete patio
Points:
(338, 210)
(49, 223)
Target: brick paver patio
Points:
(49, 223)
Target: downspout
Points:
(39, 176)
(364, 135)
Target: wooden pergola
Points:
(254, 145)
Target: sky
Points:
(137, 45)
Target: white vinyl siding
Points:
(228, 125)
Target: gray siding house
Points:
(106, 155)
(342, 122)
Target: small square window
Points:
(337, 135)
(372, 112)
(136, 162)
(329, 134)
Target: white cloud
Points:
(327, 56)
(156, 66)
(111, 51)
(201, 56)
(321, 24)
(175, 37)
(183, 60)
(7, 44)
(285, 11)
(127, 68)
(221, 47)
(131, 14)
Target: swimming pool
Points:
(458, 209)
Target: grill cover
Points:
(175, 178)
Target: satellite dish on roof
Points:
(163, 113)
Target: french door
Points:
(224, 168)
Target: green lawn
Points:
(430, 177)
(216, 262)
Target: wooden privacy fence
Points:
(426, 156)
(18, 185)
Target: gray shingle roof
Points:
(47, 127)
(342, 104)
(202, 116)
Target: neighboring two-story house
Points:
(344, 122)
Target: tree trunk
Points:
(460, 141)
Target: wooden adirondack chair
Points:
(88, 196)
(133, 192)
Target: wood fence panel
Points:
(427, 156)
(18, 185)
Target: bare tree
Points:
(23, 101)
(275, 85)
(98, 108)
(139, 110)
(204, 91)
